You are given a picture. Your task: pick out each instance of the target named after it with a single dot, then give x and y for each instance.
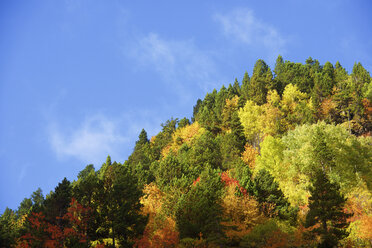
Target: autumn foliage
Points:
(160, 230)
(249, 156)
(185, 135)
(45, 234)
(236, 174)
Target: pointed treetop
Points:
(246, 78)
(37, 197)
(279, 66)
(86, 171)
(245, 85)
(337, 65)
(339, 68)
(108, 160)
(184, 122)
(361, 74)
(279, 59)
(142, 138)
(260, 68)
(236, 84)
(310, 61)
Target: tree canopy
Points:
(281, 159)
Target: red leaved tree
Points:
(41, 233)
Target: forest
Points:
(282, 158)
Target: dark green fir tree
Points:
(326, 214)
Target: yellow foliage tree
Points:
(183, 135)
(152, 199)
(295, 105)
(240, 213)
(249, 156)
(160, 230)
(360, 204)
(260, 121)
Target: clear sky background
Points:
(80, 79)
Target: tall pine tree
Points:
(260, 82)
(326, 214)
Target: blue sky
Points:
(80, 79)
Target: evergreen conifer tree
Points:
(326, 211)
(279, 81)
(245, 86)
(260, 82)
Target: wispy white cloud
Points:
(98, 135)
(91, 142)
(243, 26)
(177, 61)
(22, 173)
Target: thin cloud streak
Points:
(241, 25)
(179, 62)
(96, 138)
(22, 173)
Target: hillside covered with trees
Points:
(281, 159)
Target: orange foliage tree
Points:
(360, 204)
(249, 156)
(44, 234)
(241, 211)
(160, 230)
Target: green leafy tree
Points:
(139, 154)
(57, 203)
(230, 150)
(183, 123)
(142, 138)
(196, 109)
(295, 73)
(267, 191)
(207, 115)
(24, 207)
(245, 87)
(140, 160)
(37, 198)
(244, 175)
(119, 205)
(220, 103)
(236, 89)
(233, 89)
(340, 73)
(361, 78)
(343, 99)
(85, 191)
(168, 170)
(199, 210)
(8, 228)
(205, 151)
(279, 81)
(232, 143)
(294, 158)
(260, 82)
(326, 214)
(267, 234)
(162, 139)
